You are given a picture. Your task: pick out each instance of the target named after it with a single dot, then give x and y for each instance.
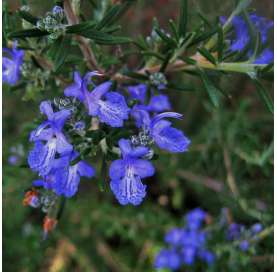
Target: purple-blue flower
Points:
(240, 38)
(195, 218)
(126, 174)
(167, 137)
(138, 92)
(164, 135)
(266, 57)
(244, 245)
(109, 107)
(167, 258)
(11, 64)
(188, 243)
(234, 231)
(42, 156)
(175, 236)
(256, 228)
(64, 177)
(13, 159)
(159, 103)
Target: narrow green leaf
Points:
(174, 30)
(189, 60)
(206, 54)
(135, 75)
(105, 39)
(114, 14)
(220, 43)
(182, 88)
(99, 37)
(203, 36)
(211, 89)
(60, 50)
(183, 18)
(153, 54)
(79, 28)
(141, 43)
(242, 5)
(165, 38)
(27, 33)
(28, 17)
(264, 95)
(205, 21)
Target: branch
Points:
(210, 183)
(83, 43)
(180, 65)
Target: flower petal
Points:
(169, 138)
(60, 117)
(128, 190)
(85, 170)
(46, 108)
(159, 103)
(138, 92)
(125, 146)
(41, 158)
(62, 144)
(42, 132)
(100, 90)
(67, 181)
(117, 169)
(114, 110)
(143, 168)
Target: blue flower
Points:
(241, 36)
(111, 110)
(266, 57)
(138, 92)
(57, 10)
(234, 231)
(207, 256)
(256, 228)
(168, 258)
(64, 177)
(187, 243)
(11, 64)
(195, 218)
(175, 237)
(188, 254)
(159, 103)
(262, 25)
(41, 157)
(164, 135)
(126, 174)
(13, 159)
(244, 245)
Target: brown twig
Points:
(230, 177)
(83, 43)
(106, 253)
(210, 183)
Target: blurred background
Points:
(95, 233)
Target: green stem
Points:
(262, 235)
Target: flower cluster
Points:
(56, 158)
(239, 233)
(240, 38)
(53, 23)
(11, 64)
(53, 157)
(186, 245)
